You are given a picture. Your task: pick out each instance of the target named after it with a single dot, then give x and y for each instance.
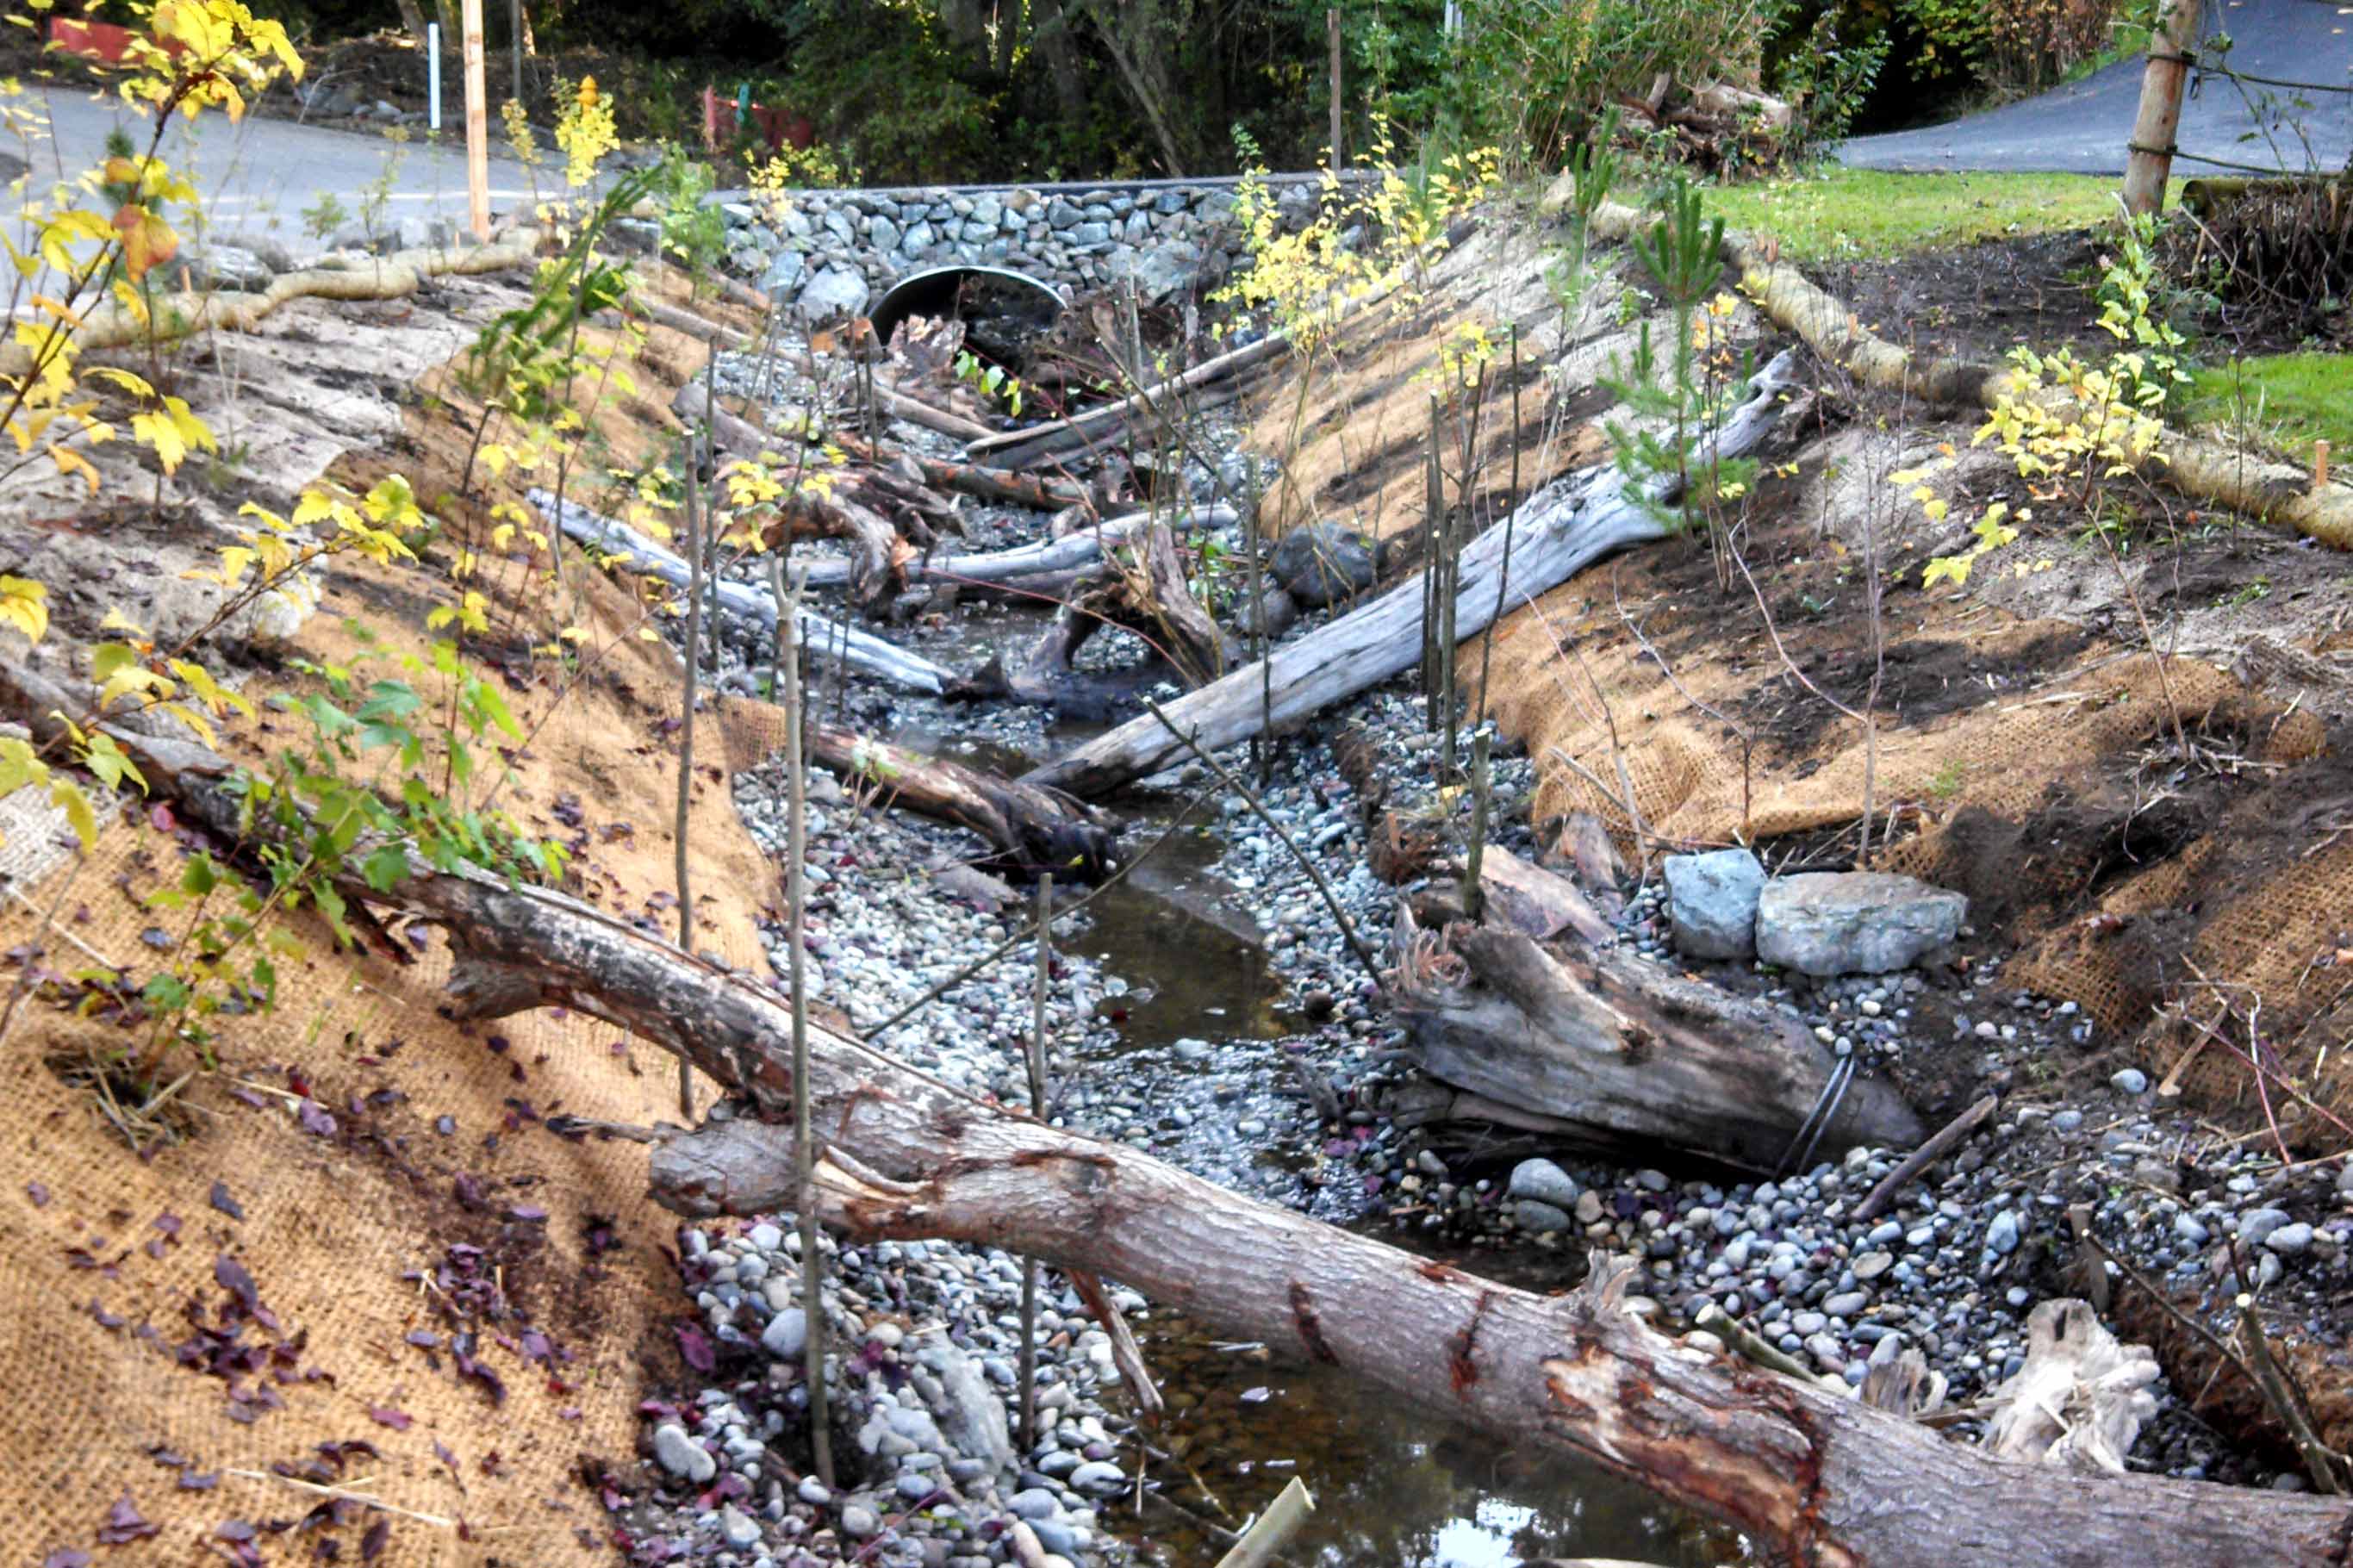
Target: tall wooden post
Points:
(478, 129)
(1332, 28)
(2149, 159)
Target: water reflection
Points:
(1392, 1484)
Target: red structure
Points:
(774, 126)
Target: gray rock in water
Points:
(835, 292)
(1546, 1182)
(681, 1455)
(786, 1334)
(1853, 922)
(1540, 1218)
(1323, 562)
(1712, 902)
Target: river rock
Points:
(681, 1455)
(1324, 563)
(786, 1334)
(1546, 1182)
(1712, 902)
(1853, 922)
(1539, 1217)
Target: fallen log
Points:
(1555, 534)
(1041, 559)
(1816, 1478)
(828, 640)
(1039, 493)
(1624, 1057)
(1034, 829)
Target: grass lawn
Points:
(1869, 213)
(2285, 400)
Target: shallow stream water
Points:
(1203, 1030)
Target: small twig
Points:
(1331, 899)
(1747, 1341)
(346, 1494)
(2320, 1463)
(1926, 1154)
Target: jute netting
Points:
(437, 1142)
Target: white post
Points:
(433, 72)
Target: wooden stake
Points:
(477, 129)
(2148, 159)
(2319, 464)
(1474, 898)
(1332, 28)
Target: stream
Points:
(1203, 1030)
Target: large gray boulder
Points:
(1712, 902)
(1324, 563)
(835, 292)
(1854, 922)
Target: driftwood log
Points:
(827, 640)
(1557, 532)
(1815, 1478)
(1034, 829)
(1619, 1055)
(1045, 558)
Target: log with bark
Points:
(1815, 1478)
(1620, 1056)
(1555, 534)
(826, 639)
(1034, 829)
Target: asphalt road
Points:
(259, 175)
(2082, 128)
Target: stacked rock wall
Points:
(836, 252)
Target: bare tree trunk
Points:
(1817, 1478)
